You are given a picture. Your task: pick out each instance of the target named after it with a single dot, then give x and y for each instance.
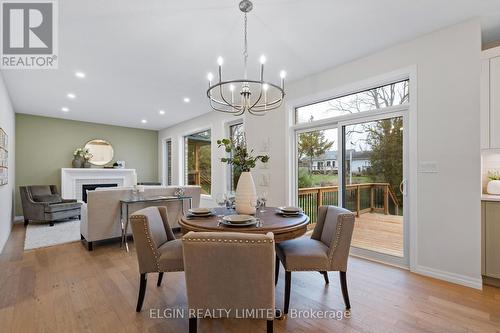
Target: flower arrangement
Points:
(81, 158)
(241, 159)
(494, 175)
(83, 153)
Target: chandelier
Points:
(256, 96)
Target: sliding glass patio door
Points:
(351, 151)
(373, 185)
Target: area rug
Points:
(42, 235)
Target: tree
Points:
(385, 138)
(313, 144)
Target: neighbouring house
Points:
(360, 161)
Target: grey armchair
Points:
(157, 249)
(232, 272)
(326, 250)
(44, 203)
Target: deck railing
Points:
(359, 198)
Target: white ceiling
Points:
(143, 56)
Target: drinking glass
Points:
(263, 199)
(230, 200)
(220, 199)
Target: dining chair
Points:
(232, 272)
(326, 250)
(156, 246)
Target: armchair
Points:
(44, 203)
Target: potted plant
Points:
(78, 159)
(494, 183)
(86, 157)
(81, 157)
(242, 161)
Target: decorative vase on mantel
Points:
(77, 162)
(245, 194)
(87, 164)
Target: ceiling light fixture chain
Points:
(256, 96)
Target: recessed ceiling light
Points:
(80, 75)
(64, 109)
(71, 95)
(186, 100)
(162, 112)
(144, 121)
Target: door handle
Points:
(402, 187)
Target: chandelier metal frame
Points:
(222, 93)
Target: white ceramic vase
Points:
(493, 187)
(245, 194)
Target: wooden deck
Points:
(380, 233)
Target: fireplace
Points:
(92, 187)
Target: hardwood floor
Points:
(64, 288)
(379, 233)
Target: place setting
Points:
(200, 213)
(289, 211)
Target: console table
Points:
(124, 210)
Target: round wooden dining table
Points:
(283, 228)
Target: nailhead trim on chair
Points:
(226, 240)
(150, 242)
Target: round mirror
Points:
(101, 150)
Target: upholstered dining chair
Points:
(326, 250)
(232, 272)
(156, 246)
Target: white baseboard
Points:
(476, 283)
(18, 219)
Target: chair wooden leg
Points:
(343, 284)
(142, 291)
(160, 277)
(26, 222)
(193, 325)
(325, 275)
(269, 326)
(90, 246)
(288, 281)
(276, 270)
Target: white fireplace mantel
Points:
(72, 179)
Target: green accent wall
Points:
(45, 145)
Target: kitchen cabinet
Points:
(490, 218)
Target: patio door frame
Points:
(410, 122)
(369, 254)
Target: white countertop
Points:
(490, 197)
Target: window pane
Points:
(199, 160)
(373, 164)
(377, 98)
(237, 137)
(169, 162)
(317, 170)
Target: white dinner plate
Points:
(200, 211)
(290, 210)
(238, 219)
(242, 224)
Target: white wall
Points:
(7, 122)
(218, 123)
(448, 211)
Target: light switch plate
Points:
(428, 167)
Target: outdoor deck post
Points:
(386, 200)
(358, 200)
